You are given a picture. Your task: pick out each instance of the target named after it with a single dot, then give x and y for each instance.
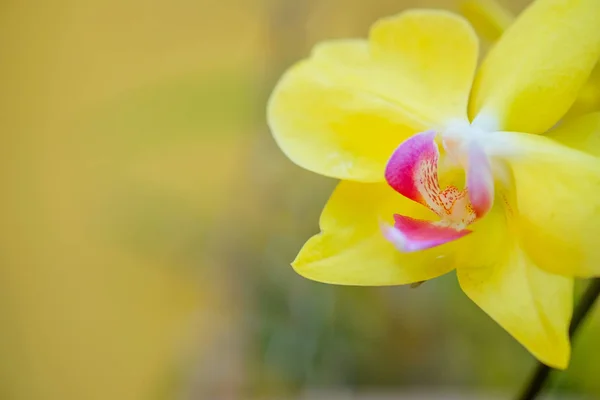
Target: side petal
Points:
(581, 133)
(409, 234)
(534, 306)
(533, 74)
(352, 250)
(343, 111)
(557, 196)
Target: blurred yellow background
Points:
(148, 220)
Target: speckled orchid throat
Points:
(413, 172)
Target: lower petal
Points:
(534, 306)
(352, 250)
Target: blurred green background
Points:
(148, 221)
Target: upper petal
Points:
(557, 201)
(534, 306)
(433, 56)
(351, 248)
(343, 111)
(533, 74)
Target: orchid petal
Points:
(343, 111)
(557, 201)
(534, 306)
(533, 74)
(352, 250)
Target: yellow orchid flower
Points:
(406, 119)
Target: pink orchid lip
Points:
(413, 172)
(409, 234)
(414, 163)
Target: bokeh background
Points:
(147, 222)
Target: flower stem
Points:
(540, 376)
